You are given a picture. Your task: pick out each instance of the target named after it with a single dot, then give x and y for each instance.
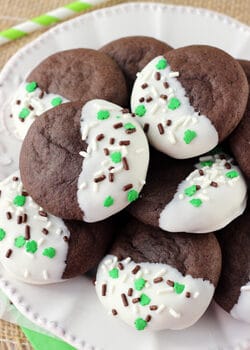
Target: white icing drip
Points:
(183, 118)
(25, 266)
(24, 99)
(241, 310)
(97, 163)
(220, 204)
(172, 310)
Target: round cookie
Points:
(133, 53)
(39, 248)
(189, 99)
(85, 163)
(239, 140)
(178, 198)
(233, 291)
(72, 75)
(153, 281)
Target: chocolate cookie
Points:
(155, 281)
(39, 248)
(233, 292)
(240, 138)
(178, 198)
(189, 99)
(133, 53)
(73, 75)
(84, 163)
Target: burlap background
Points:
(16, 11)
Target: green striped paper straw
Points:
(45, 20)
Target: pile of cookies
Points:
(126, 165)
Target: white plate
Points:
(71, 310)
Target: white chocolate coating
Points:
(221, 203)
(241, 310)
(34, 268)
(171, 310)
(98, 164)
(37, 102)
(171, 139)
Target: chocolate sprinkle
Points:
(142, 99)
(15, 178)
(117, 125)
(19, 219)
(9, 216)
(201, 172)
(125, 163)
(170, 283)
(136, 269)
(158, 280)
(111, 177)
(65, 238)
(120, 265)
(31, 108)
(148, 318)
(168, 122)
(188, 294)
(149, 99)
(124, 143)
(114, 312)
(100, 178)
(130, 292)
(164, 97)
(135, 300)
(8, 253)
(130, 131)
(153, 307)
(227, 165)
(45, 231)
(18, 102)
(214, 184)
(104, 290)
(125, 110)
(27, 232)
(165, 84)
(157, 76)
(99, 137)
(25, 194)
(198, 187)
(160, 128)
(127, 187)
(106, 151)
(41, 94)
(25, 218)
(112, 140)
(124, 299)
(144, 86)
(146, 127)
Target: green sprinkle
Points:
(24, 113)
(129, 126)
(179, 288)
(108, 201)
(57, 101)
(207, 163)
(20, 242)
(103, 114)
(2, 234)
(140, 283)
(30, 87)
(49, 252)
(161, 64)
(232, 174)
(116, 157)
(196, 202)
(114, 273)
(174, 103)
(140, 110)
(140, 324)
(190, 191)
(144, 300)
(19, 201)
(31, 247)
(189, 135)
(132, 196)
